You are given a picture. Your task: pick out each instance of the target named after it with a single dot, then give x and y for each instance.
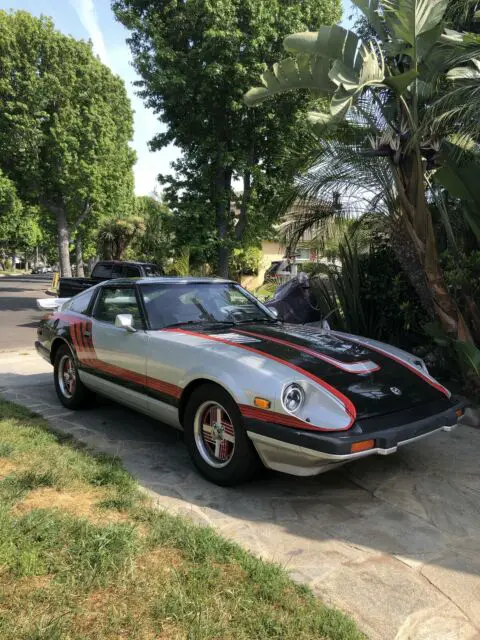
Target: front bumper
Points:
(306, 453)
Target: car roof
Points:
(134, 262)
(168, 280)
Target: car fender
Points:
(226, 381)
(241, 376)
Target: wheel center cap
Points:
(217, 431)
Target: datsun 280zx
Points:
(203, 355)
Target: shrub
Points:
(369, 295)
(245, 261)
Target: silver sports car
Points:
(203, 355)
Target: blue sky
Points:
(93, 19)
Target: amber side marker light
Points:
(364, 445)
(261, 403)
(459, 413)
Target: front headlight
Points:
(293, 397)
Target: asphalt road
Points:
(18, 313)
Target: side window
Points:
(130, 271)
(101, 270)
(80, 303)
(117, 271)
(114, 300)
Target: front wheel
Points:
(216, 439)
(71, 392)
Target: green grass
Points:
(83, 555)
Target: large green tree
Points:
(65, 124)
(381, 94)
(193, 58)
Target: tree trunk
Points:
(91, 264)
(14, 259)
(247, 189)
(35, 257)
(79, 256)
(408, 259)
(63, 242)
(417, 222)
(223, 177)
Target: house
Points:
(276, 251)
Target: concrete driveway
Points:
(393, 541)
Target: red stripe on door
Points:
(346, 402)
(88, 357)
(359, 368)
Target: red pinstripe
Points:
(405, 364)
(344, 366)
(279, 418)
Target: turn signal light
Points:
(262, 403)
(364, 445)
(459, 412)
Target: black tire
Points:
(72, 397)
(238, 461)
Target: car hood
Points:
(376, 381)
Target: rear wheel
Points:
(71, 392)
(216, 439)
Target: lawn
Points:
(84, 555)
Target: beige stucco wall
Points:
(271, 251)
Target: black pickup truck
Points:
(107, 270)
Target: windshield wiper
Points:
(190, 322)
(256, 321)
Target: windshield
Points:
(175, 304)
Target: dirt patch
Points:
(7, 467)
(160, 559)
(127, 605)
(83, 503)
(31, 583)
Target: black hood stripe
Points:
(361, 367)
(405, 364)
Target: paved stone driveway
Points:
(393, 541)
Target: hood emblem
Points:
(396, 391)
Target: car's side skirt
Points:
(134, 399)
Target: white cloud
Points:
(88, 17)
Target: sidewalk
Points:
(393, 541)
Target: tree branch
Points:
(86, 210)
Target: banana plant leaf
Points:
(293, 73)
(409, 19)
(462, 182)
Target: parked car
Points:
(203, 355)
(107, 270)
(42, 269)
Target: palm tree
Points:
(115, 236)
(386, 140)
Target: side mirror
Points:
(125, 321)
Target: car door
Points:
(119, 356)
